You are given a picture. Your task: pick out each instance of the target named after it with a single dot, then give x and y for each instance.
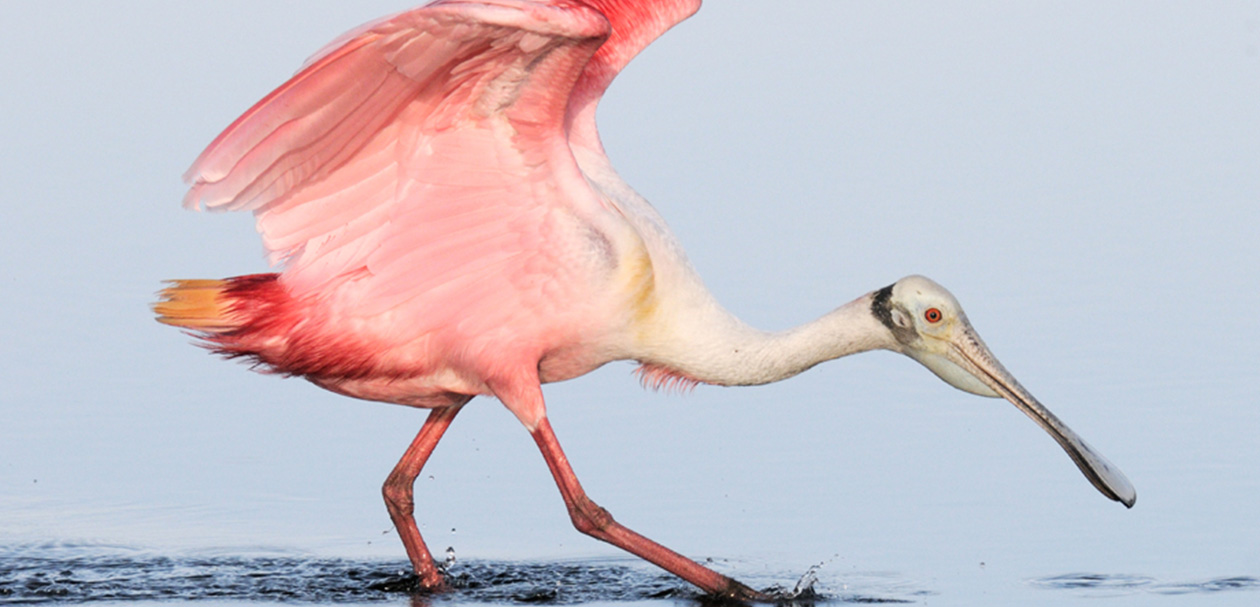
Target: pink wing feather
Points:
(420, 167)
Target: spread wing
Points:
(426, 155)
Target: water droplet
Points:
(450, 557)
(807, 581)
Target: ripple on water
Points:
(66, 573)
(1117, 584)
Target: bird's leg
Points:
(591, 519)
(398, 495)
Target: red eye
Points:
(932, 315)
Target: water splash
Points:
(877, 589)
(807, 581)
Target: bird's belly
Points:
(440, 389)
(567, 364)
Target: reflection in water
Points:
(66, 573)
(1094, 584)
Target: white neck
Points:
(695, 337)
(717, 348)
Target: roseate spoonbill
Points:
(449, 226)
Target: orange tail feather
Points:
(243, 316)
(254, 317)
(198, 305)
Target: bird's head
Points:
(928, 325)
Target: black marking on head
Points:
(881, 307)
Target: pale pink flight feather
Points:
(417, 175)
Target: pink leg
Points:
(398, 495)
(596, 522)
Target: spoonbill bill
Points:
(447, 225)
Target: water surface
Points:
(95, 574)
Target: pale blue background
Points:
(1083, 175)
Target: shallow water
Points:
(82, 574)
(95, 574)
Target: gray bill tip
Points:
(1104, 474)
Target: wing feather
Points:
(420, 166)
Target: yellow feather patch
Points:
(641, 282)
(194, 304)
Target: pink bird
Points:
(449, 226)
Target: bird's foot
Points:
(740, 593)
